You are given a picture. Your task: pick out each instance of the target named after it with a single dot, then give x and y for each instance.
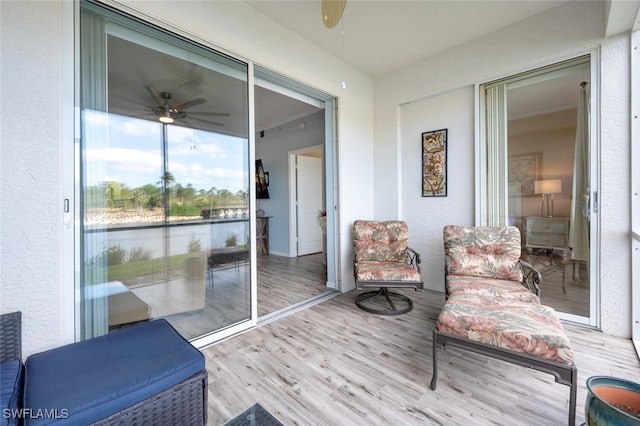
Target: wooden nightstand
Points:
(547, 232)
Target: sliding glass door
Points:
(539, 177)
(164, 180)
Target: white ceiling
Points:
(381, 36)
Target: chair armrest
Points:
(11, 336)
(414, 259)
(531, 277)
(447, 271)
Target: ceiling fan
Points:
(168, 113)
(332, 11)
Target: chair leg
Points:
(434, 377)
(572, 397)
(389, 297)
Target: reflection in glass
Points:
(165, 206)
(545, 130)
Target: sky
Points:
(129, 150)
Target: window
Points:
(165, 180)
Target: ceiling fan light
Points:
(166, 119)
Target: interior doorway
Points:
(296, 145)
(306, 203)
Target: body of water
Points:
(173, 239)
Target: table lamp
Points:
(547, 188)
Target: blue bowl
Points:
(612, 401)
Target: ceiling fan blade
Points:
(128, 100)
(190, 104)
(211, 114)
(145, 116)
(200, 120)
(155, 96)
(126, 110)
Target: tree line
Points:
(178, 199)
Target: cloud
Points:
(129, 150)
(133, 167)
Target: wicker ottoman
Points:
(146, 374)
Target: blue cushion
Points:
(88, 381)
(10, 391)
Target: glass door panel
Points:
(165, 167)
(548, 181)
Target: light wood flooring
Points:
(334, 364)
(225, 299)
(286, 281)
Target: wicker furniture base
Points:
(184, 403)
(145, 375)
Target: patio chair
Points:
(383, 260)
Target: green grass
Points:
(144, 267)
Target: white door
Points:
(309, 196)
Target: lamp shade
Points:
(549, 186)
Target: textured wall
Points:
(454, 112)
(615, 200)
(30, 184)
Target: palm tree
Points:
(167, 180)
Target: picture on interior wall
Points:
(262, 181)
(524, 170)
(434, 163)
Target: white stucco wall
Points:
(615, 186)
(440, 82)
(31, 35)
(452, 111)
(36, 264)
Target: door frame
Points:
(293, 202)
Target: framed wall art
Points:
(262, 181)
(434, 163)
(524, 170)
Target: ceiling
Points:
(378, 37)
(384, 36)
(139, 77)
(373, 32)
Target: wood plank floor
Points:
(334, 364)
(285, 281)
(225, 297)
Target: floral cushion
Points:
(386, 271)
(380, 241)
(499, 289)
(523, 327)
(488, 252)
